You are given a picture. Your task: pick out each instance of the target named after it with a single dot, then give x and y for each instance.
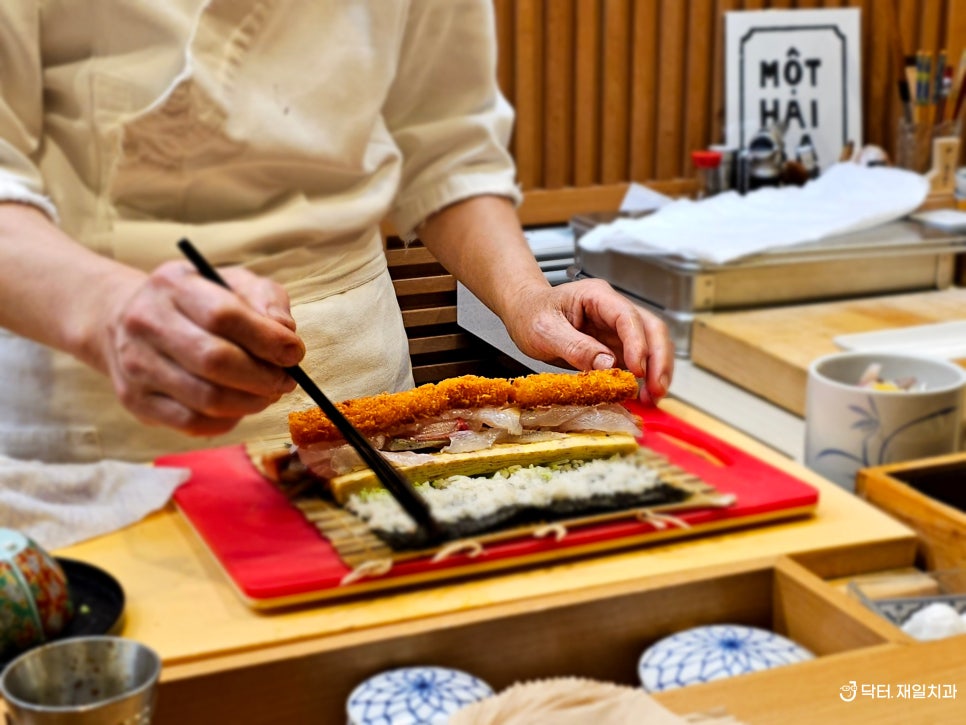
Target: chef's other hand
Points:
(186, 353)
(588, 325)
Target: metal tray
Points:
(901, 256)
(678, 323)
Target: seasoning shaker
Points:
(707, 166)
(728, 169)
(805, 154)
(766, 155)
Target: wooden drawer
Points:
(596, 633)
(929, 496)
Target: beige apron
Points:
(198, 161)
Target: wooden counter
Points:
(768, 351)
(182, 605)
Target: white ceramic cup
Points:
(848, 427)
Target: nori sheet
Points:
(513, 516)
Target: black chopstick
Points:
(400, 488)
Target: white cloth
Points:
(276, 135)
(58, 505)
(720, 229)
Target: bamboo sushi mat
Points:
(358, 546)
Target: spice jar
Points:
(706, 164)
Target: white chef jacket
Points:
(276, 134)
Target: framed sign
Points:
(799, 70)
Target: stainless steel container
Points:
(901, 256)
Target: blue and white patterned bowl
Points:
(414, 696)
(713, 652)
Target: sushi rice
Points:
(535, 487)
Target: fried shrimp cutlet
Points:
(386, 412)
(591, 387)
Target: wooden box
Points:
(595, 633)
(929, 496)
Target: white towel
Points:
(845, 198)
(61, 504)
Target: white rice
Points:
(464, 497)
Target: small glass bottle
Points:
(706, 164)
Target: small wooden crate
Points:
(929, 496)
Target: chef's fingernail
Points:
(603, 362)
(292, 354)
(664, 382)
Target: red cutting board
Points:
(275, 557)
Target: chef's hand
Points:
(586, 324)
(186, 353)
(589, 325)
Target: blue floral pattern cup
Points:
(422, 695)
(848, 427)
(713, 652)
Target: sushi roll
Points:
(517, 496)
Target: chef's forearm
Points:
(51, 287)
(480, 241)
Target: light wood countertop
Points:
(767, 351)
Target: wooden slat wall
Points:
(625, 89)
(612, 91)
(427, 295)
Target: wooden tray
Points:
(275, 557)
(929, 495)
(596, 633)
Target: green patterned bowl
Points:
(34, 599)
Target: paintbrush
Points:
(901, 66)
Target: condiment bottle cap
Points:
(706, 159)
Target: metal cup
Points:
(82, 681)
(728, 169)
